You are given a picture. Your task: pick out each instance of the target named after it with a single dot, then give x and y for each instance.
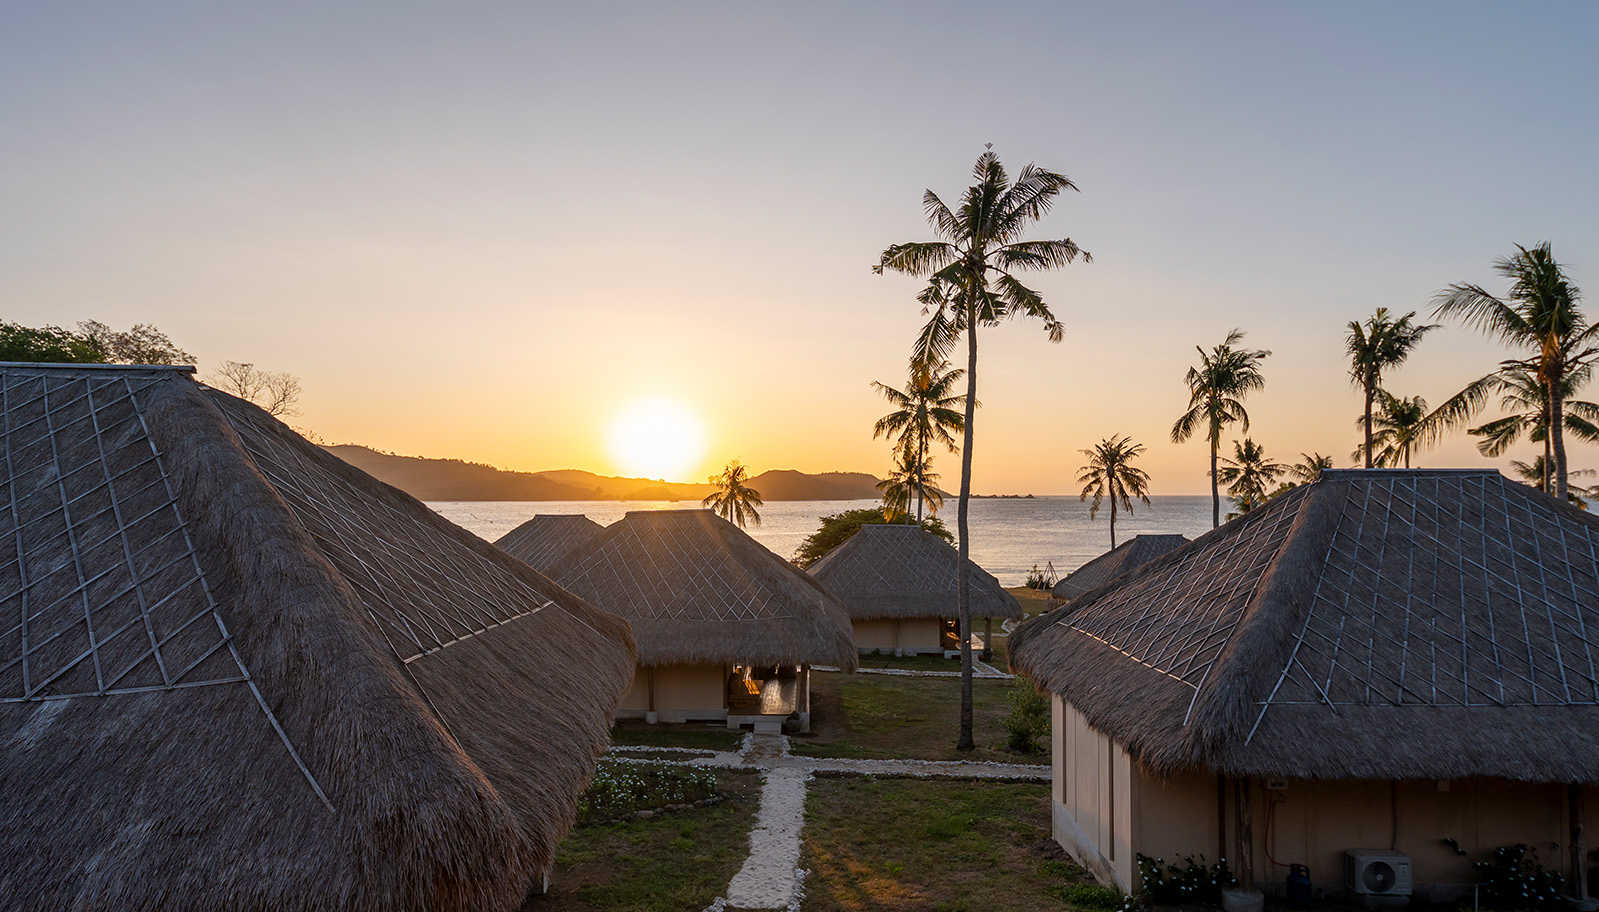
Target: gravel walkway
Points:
(771, 878)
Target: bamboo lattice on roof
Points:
(902, 571)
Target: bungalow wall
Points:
(678, 693)
(907, 635)
(1106, 811)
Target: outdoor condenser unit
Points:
(1377, 872)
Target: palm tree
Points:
(1536, 473)
(733, 500)
(1309, 467)
(924, 414)
(1248, 474)
(1110, 471)
(1373, 347)
(1539, 313)
(972, 282)
(1522, 394)
(1399, 430)
(1216, 391)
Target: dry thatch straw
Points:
(544, 540)
(696, 589)
(1382, 624)
(903, 571)
(236, 673)
(1125, 557)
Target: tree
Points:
(278, 392)
(1248, 474)
(1110, 472)
(924, 414)
(1399, 425)
(733, 500)
(1538, 314)
(1522, 394)
(1373, 347)
(908, 480)
(1536, 473)
(972, 271)
(143, 344)
(48, 345)
(1216, 391)
(1309, 467)
(837, 529)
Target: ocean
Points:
(1009, 535)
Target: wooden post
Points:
(1243, 835)
(1579, 879)
(988, 639)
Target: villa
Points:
(727, 631)
(236, 672)
(1383, 675)
(897, 581)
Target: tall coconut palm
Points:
(734, 500)
(1538, 314)
(1522, 394)
(909, 480)
(1216, 391)
(1373, 347)
(925, 412)
(1535, 473)
(1110, 472)
(1249, 474)
(1399, 425)
(972, 271)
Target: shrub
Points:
(1512, 878)
(1035, 579)
(1027, 726)
(1194, 882)
(620, 788)
(1090, 896)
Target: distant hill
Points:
(453, 479)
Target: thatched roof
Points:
(542, 541)
(1386, 624)
(696, 588)
(236, 673)
(903, 571)
(1127, 556)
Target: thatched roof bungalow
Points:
(544, 540)
(897, 581)
(726, 629)
(1384, 658)
(1124, 558)
(236, 673)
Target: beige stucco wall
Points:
(637, 700)
(677, 693)
(1106, 811)
(908, 635)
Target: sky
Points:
(490, 231)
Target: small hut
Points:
(1124, 558)
(237, 673)
(897, 582)
(726, 629)
(544, 540)
(1374, 663)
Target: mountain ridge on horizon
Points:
(429, 478)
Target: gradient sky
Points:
(484, 230)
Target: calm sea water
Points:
(1009, 536)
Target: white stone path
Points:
(771, 877)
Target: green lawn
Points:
(690, 734)
(911, 663)
(676, 862)
(933, 845)
(884, 716)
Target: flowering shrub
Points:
(1512, 878)
(619, 789)
(1194, 882)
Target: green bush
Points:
(1194, 882)
(1090, 896)
(1027, 726)
(620, 788)
(1513, 879)
(1036, 580)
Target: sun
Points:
(657, 438)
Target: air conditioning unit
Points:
(1377, 872)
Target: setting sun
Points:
(657, 438)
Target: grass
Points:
(1034, 601)
(688, 734)
(890, 717)
(673, 862)
(935, 846)
(911, 663)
